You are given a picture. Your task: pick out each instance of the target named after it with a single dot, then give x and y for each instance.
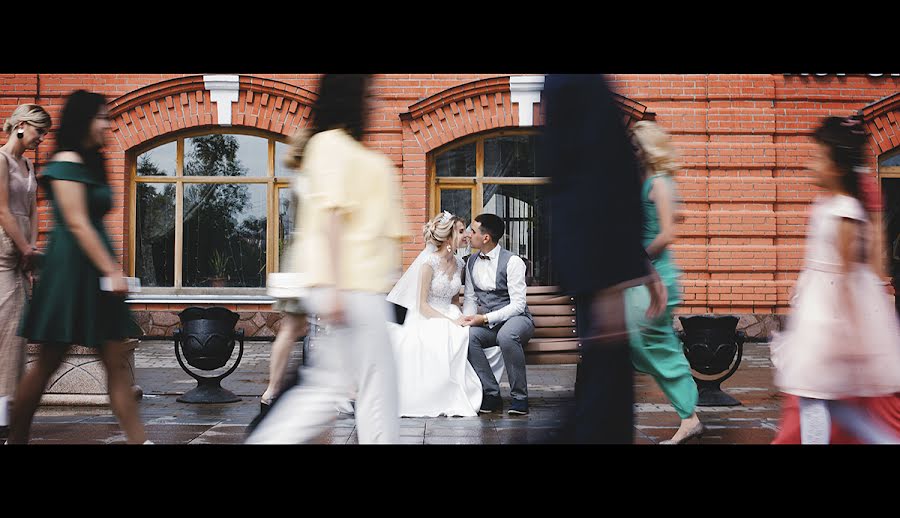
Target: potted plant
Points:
(218, 263)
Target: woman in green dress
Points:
(68, 308)
(655, 349)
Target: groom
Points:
(496, 311)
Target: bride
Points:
(434, 376)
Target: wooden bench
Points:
(555, 339)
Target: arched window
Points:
(889, 173)
(209, 209)
(496, 173)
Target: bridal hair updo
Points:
(439, 230)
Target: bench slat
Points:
(538, 300)
(541, 290)
(553, 359)
(555, 332)
(552, 311)
(536, 346)
(554, 321)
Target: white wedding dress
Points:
(433, 371)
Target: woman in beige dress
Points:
(26, 127)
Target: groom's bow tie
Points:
(486, 257)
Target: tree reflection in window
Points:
(155, 243)
(287, 208)
(504, 176)
(224, 224)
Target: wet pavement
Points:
(551, 395)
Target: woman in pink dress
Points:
(842, 339)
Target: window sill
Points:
(201, 296)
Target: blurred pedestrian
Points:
(351, 225)
(842, 339)
(596, 228)
(68, 306)
(655, 349)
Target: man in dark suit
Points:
(596, 220)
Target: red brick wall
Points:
(745, 145)
(743, 141)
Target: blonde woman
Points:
(431, 347)
(655, 349)
(26, 127)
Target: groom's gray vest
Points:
(499, 297)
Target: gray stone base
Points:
(75, 400)
(81, 379)
(263, 325)
(259, 325)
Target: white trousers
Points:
(358, 355)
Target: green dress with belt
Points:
(655, 349)
(67, 306)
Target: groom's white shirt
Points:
(484, 273)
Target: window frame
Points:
(477, 182)
(888, 171)
(273, 186)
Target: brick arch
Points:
(167, 107)
(882, 120)
(181, 103)
(478, 106)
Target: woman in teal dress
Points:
(68, 308)
(655, 349)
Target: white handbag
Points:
(286, 285)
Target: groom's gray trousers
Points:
(511, 336)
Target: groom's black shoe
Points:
(518, 407)
(491, 404)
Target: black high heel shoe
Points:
(264, 407)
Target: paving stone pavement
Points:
(551, 395)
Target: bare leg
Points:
(292, 326)
(121, 396)
(30, 390)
